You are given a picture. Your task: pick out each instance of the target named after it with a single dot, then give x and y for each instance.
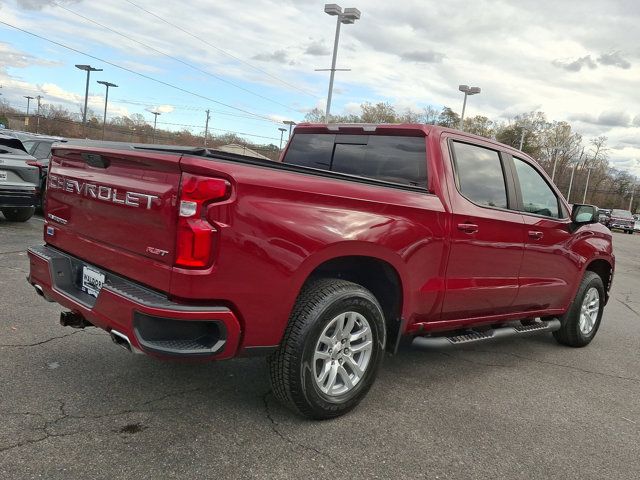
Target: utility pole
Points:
(39, 97)
(586, 186)
(632, 194)
(206, 129)
(291, 123)
(282, 130)
(155, 121)
(88, 69)
(26, 120)
(106, 99)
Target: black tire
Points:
(18, 214)
(292, 368)
(570, 333)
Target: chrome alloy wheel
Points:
(342, 353)
(589, 310)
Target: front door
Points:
(549, 267)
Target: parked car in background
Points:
(19, 180)
(39, 146)
(636, 225)
(604, 215)
(621, 220)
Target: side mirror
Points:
(584, 214)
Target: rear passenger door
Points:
(487, 237)
(548, 267)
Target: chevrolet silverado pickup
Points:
(358, 238)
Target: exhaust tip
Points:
(39, 290)
(121, 340)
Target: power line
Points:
(190, 65)
(126, 69)
(217, 129)
(221, 50)
(113, 126)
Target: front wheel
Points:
(331, 350)
(18, 214)
(581, 322)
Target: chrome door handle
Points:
(535, 234)
(468, 227)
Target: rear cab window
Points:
(390, 158)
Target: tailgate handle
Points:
(95, 160)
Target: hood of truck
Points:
(117, 209)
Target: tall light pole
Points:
(26, 121)
(155, 121)
(586, 186)
(467, 90)
(348, 16)
(38, 98)
(573, 171)
(632, 194)
(106, 99)
(291, 124)
(282, 130)
(88, 69)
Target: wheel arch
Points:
(604, 269)
(377, 274)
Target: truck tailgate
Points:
(116, 208)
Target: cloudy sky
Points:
(252, 61)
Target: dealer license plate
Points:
(92, 281)
(3, 175)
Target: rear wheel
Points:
(581, 322)
(18, 214)
(331, 350)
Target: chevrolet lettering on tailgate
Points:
(101, 192)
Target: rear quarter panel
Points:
(279, 226)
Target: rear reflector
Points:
(196, 236)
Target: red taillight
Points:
(195, 235)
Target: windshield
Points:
(622, 213)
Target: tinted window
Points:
(310, 150)
(28, 145)
(479, 175)
(537, 196)
(42, 150)
(390, 158)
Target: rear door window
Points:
(396, 159)
(479, 175)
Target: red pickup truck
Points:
(359, 237)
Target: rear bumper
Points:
(18, 197)
(153, 324)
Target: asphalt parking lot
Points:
(74, 405)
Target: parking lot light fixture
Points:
(467, 90)
(88, 69)
(106, 99)
(346, 16)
